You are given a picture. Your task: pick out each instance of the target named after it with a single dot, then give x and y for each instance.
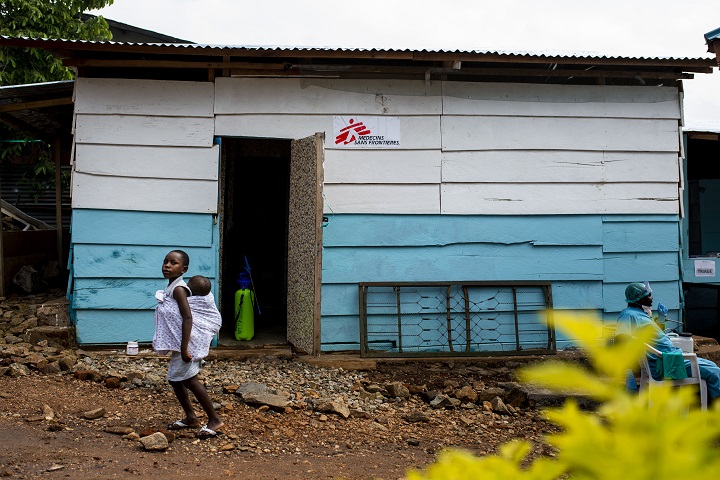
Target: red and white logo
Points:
(366, 131)
(351, 132)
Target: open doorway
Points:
(271, 211)
(702, 294)
(703, 178)
(255, 179)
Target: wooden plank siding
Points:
(554, 198)
(132, 193)
(573, 184)
(117, 260)
(526, 99)
(147, 162)
(549, 166)
(114, 96)
(145, 182)
(139, 143)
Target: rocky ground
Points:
(66, 412)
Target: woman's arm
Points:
(180, 295)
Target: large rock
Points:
(516, 394)
(276, 402)
(157, 442)
(541, 397)
(54, 314)
(333, 406)
(428, 396)
(18, 370)
(489, 393)
(23, 326)
(61, 336)
(414, 417)
(250, 388)
(498, 406)
(443, 401)
(466, 394)
(94, 414)
(28, 279)
(397, 389)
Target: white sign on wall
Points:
(364, 131)
(704, 268)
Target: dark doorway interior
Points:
(702, 300)
(255, 189)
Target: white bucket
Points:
(683, 342)
(132, 348)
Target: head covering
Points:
(635, 291)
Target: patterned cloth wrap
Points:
(168, 322)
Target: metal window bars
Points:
(425, 319)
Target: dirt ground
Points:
(256, 443)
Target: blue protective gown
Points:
(633, 317)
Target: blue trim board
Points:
(117, 293)
(137, 261)
(120, 227)
(641, 237)
(355, 230)
(461, 262)
(114, 326)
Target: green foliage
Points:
(41, 19)
(657, 435)
(45, 19)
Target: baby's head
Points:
(199, 285)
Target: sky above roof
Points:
(635, 28)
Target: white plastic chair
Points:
(647, 380)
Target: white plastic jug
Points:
(683, 341)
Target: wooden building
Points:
(551, 180)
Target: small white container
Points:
(683, 342)
(132, 348)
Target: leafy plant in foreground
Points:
(661, 434)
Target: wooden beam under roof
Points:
(686, 63)
(14, 107)
(289, 69)
(138, 63)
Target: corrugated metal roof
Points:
(24, 92)
(47, 107)
(714, 35)
(206, 48)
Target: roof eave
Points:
(70, 48)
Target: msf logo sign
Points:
(351, 133)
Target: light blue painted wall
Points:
(589, 259)
(116, 266)
(117, 257)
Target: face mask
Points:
(647, 310)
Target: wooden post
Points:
(58, 203)
(2, 260)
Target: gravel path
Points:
(85, 412)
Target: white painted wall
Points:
(477, 148)
(466, 148)
(144, 145)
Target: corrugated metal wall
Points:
(18, 193)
